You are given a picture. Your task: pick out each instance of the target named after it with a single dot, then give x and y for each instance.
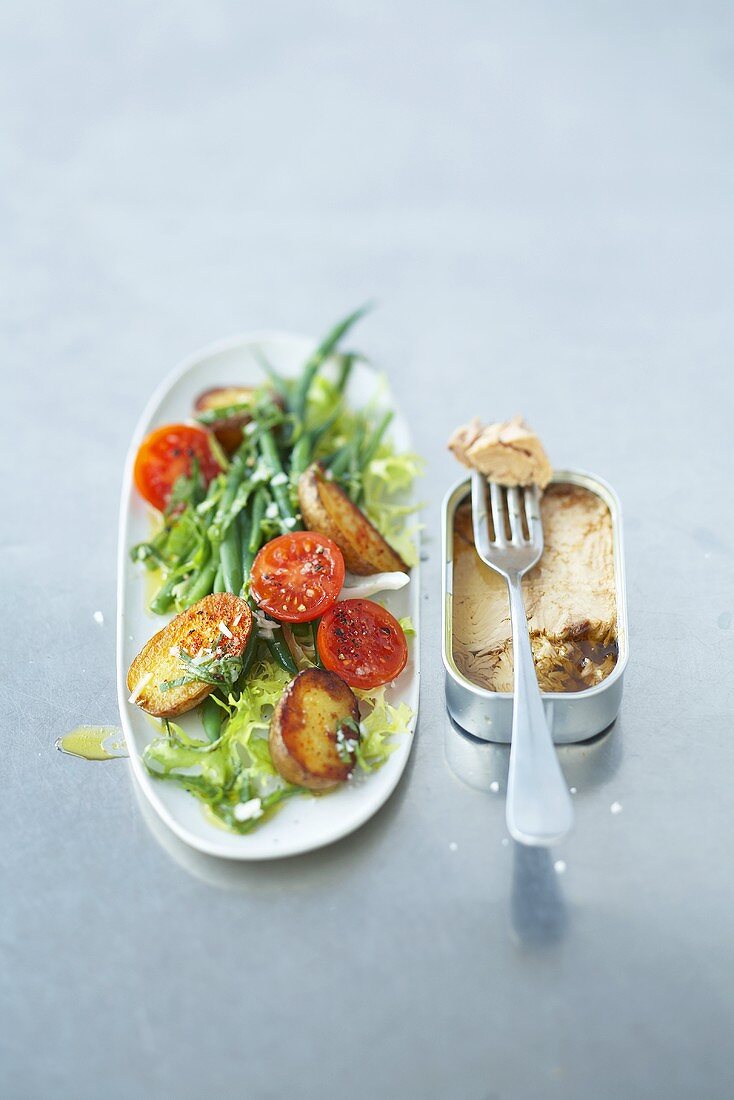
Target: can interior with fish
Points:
(577, 615)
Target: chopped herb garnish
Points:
(223, 671)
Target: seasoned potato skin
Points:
(194, 629)
(228, 431)
(303, 729)
(327, 508)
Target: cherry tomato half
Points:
(166, 454)
(362, 642)
(297, 577)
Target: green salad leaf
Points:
(386, 482)
(407, 627)
(381, 724)
(236, 769)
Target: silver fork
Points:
(538, 809)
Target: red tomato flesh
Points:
(363, 643)
(297, 577)
(166, 454)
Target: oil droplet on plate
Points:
(559, 866)
(494, 786)
(616, 807)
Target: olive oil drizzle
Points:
(93, 743)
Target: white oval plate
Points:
(301, 823)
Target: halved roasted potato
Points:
(217, 626)
(327, 508)
(304, 730)
(228, 430)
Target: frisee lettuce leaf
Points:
(387, 479)
(237, 766)
(406, 625)
(380, 725)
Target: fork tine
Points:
(498, 513)
(501, 543)
(532, 514)
(480, 519)
(514, 507)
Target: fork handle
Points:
(539, 810)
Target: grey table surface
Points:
(540, 198)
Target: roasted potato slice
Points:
(199, 628)
(229, 429)
(303, 730)
(327, 508)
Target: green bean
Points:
(282, 655)
(370, 450)
(259, 506)
(185, 550)
(355, 467)
(373, 443)
(279, 382)
(328, 461)
(218, 585)
(342, 459)
(231, 560)
(212, 716)
(163, 599)
(314, 632)
(249, 655)
(152, 553)
(301, 456)
(248, 658)
(280, 491)
(317, 434)
(322, 352)
(269, 450)
(346, 362)
(253, 541)
(224, 412)
(201, 583)
(244, 521)
(235, 475)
